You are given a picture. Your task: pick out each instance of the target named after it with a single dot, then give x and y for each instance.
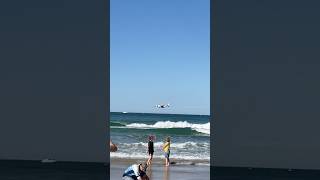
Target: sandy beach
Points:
(157, 171)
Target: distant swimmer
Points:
(163, 105)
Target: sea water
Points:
(190, 135)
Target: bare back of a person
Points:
(113, 147)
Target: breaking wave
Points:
(201, 128)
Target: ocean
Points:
(190, 135)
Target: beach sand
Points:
(157, 171)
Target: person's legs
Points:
(149, 159)
(166, 155)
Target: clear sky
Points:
(160, 53)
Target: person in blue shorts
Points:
(136, 172)
(166, 149)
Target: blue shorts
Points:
(167, 154)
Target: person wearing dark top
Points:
(150, 149)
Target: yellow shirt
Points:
(166, 147)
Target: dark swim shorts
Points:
(167, 154)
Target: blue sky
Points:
(160, 53)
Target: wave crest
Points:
(202, 128)
(184, 150)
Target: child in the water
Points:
(166, 149)
(150, 150)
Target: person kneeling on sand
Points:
(136, 172)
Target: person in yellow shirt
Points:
(166, 149)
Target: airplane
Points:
(163, 105)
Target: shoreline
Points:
(157, 170)
(160, 161)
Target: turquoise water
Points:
(190, 135)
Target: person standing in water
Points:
(166, 149)
(150, 150)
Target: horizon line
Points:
(124, 112)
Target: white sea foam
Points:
(182, 151)
(143, 156)
(188, 144)
(202, 128)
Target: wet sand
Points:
(157, 171)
